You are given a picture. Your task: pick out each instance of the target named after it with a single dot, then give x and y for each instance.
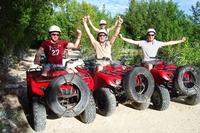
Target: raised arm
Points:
(92, 39)
(90, 22)
(129, 40)
(38, 55)
(77, 42)
(174, 42)
(117, 30)
(116, 22)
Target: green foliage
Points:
(157, 14)
(170, 24)
(22, 20)
(196, 13)
(74, 14)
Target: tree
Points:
(23, 20)
(196, 13)
(27, 23)
(170, 24)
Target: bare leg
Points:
(99, 68)
(150, 66)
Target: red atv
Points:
(65, 94)
(176, 82)
(134, 85)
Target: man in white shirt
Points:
(151, 45)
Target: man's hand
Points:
(84, 19)
(120, 20)
(88, 17)
(183, 39)
(78, 32)
(120, 35)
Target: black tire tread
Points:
(105, 94)
(141, 106)
(164, 98)
(52, 98)
(194, 99)
(130, 86)
(38, 115)
(89, 114)
(179, 83)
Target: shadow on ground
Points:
(11, 111)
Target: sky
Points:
(120, 6)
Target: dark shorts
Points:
(49, 66)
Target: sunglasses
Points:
(102, 24)
(101, 35)
(55, 34)
(151, 35)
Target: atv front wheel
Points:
(89, 114)
(38, 114)
(160, 98)
(106, 101)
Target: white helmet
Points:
(54, 28)
(151, 30)
(103, 31)
(102, 22)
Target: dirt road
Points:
(178, 118)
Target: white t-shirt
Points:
(150, 49)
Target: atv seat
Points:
(56, 71)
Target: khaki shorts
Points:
(101, 63)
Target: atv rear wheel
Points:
(139, 85)
(68, 102)
(194, 99)
(38, 114)
(187, 80)
(89, 114)
(160, 98)
(106, 101)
